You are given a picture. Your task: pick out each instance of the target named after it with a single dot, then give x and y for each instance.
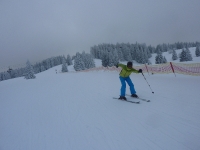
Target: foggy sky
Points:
(39, 29)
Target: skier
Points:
(124, 76)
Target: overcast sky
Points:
(38, 29)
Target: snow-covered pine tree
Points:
(60, 59)
(132, 51)
(148, 52)
(174, 55)
(159, 49)
(141, 56)
(164, 60)
(111, 59)
(42, 68)
(17, 73)
(89, 61)
(126, 53)
(98, 53)
(13, 74)
(93, 51)
(145, 53)
(78, 62)
(137, 53)
(52, 62)
(69, 60)
(115, 57)
(29, 72)
(164, 47)
(64, 65)
(20, 72)
(36, 68)
(6, 76)
(120, 54)
(84, 59)
(197, 51)
(188, 54)
(10, 72)
(151, 50)
(48, 64)
(159, 58)
(56, 61)
(1, 76)
(183, 55)
(105, 59)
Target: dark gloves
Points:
(140, 71)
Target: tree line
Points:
(29, 70)
(82, 61)
(110, 54)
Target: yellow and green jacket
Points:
(125, 72)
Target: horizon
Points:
(16, 66)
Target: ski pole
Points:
(147, 83)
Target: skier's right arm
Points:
(120, 65)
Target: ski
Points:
(146, 100)
(127, 100)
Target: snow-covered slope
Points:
(76, 111)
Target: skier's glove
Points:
(116, 65)
(140, 71)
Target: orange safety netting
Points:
(187, 69)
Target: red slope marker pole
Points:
(172, 68)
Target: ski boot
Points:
(134, 95)
(122, 98)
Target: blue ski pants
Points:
(123, 87)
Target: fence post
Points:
(147, 69)
(172, 68)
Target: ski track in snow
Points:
(76, 111)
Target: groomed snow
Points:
(76, 111)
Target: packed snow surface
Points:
(76, 111)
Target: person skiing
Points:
(124, 76)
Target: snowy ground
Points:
(76, 111)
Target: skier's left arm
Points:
(136, 71)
